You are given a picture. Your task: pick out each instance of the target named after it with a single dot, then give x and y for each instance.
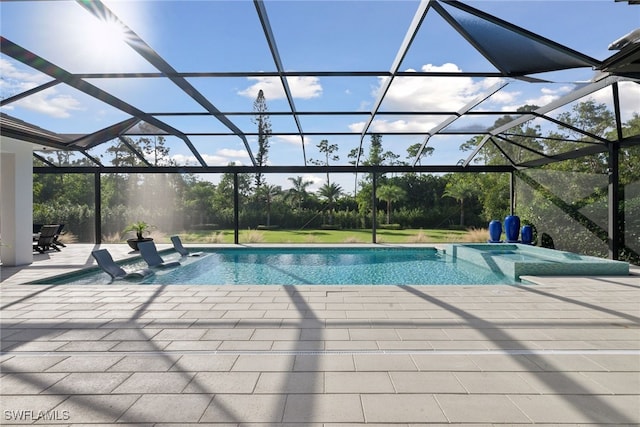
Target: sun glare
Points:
(105, 37)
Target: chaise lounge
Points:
(149, 253)
(177, 245)
(106, 262)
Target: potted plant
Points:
(139, 228)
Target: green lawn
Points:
(336, 236)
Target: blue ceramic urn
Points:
(495, 230)
(512, 228)
(527, 234)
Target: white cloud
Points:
(364, 106)
(416, 124)
(292, 139)
(317, 181)
(301, 87)
(49, 102)
(503, 97)
(229, 153)
(357, 126)
(433, 93)
(424, 94)
(451, 93)
(12, 76)
(629, 93)
(548, 95)
(221, 158)
(314, 178)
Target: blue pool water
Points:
(315, 266)
(516, 260)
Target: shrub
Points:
(215, 238)
(311, 238)
(421, 237)
(253, 236)
(477, 235)
(67, 238)
(473, 235)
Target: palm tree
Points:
(390, 193)
(299, 190)
(460, 189)
(330, 192)
(269, 192)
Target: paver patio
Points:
(562, 351)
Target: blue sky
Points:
(311, 36)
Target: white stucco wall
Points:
(16, 202)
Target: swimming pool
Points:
(313, 266)
(515, 260)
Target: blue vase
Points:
(526, 234)
(495, 230)
(512, 228)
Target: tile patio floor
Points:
(563, 352)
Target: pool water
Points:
(317, 266)
(516, 260)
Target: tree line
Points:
(179, 202)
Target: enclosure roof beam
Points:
(29, 92)
(524, 147)
(504, 153)
(102, 12)
(581, 152)
(476, 151)
(273, 47)
(474, 102)
(543, 54)
(135, 152)
(36, 62)
(581, 92)
(91, 140)
(575, 129)
(277, 169)
(419, 16)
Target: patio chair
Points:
(106, 262)
(45, 240)
(56, 241)
(150, 254)
(177, 245)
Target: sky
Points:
(323, 35)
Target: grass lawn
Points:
(336, 236)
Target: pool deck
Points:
(563, 352)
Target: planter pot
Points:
(512, 228)
(527, 234)
(495, 230)
(133, 243)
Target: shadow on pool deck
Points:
(564, 351)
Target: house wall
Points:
(16, 202)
